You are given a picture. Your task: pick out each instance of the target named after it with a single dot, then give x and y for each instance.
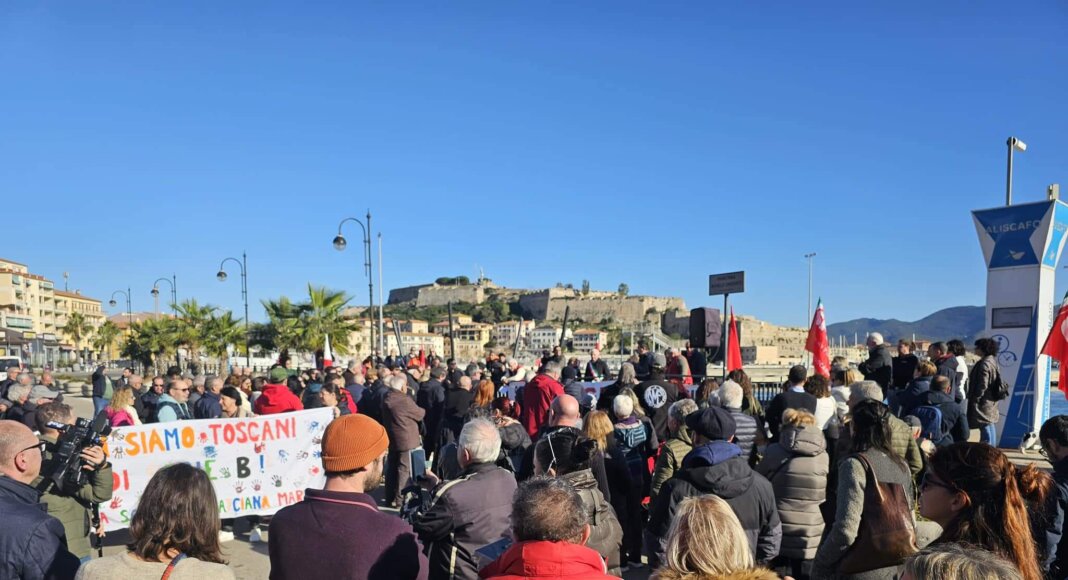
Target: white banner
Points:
(257, 465)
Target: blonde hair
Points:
(798, 418)
(598, 426)
(121, 398)
(706, 539)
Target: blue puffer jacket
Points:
(32, 543)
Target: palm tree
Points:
(284, 326)
(105, 338)
(323, 317)
(220, 331)
(77, 328)
(192, 319)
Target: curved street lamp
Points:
(1013, 144)
(340, 243)
(243, 263)
(173, 282)
(129, 308)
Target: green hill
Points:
(964, 322)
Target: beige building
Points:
(546, 337)
(504, 332)
(413, 326)
(587, 339)
(476, 332)
(68, 303)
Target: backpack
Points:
(930, 422)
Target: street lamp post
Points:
(340, 244)
(381, 303)
(1013, 144)
(243, 263)
(808, 313)
(129, 308)
(173, 282)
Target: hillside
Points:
(964, 322)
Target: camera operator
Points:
(70, 506)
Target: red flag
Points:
(734, 351)
(328, 356)
(818, 344)
(1056, 346)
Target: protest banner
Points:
(594, 388)
(257, 465)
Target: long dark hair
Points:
(177, 511)
(871, 428)
(995, 516)
(567, 450)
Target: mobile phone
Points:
(418, 459)
(491, 552)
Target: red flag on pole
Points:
(328, 357)
(1056, 346)
(818, 344)
(734, 351)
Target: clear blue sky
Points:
(652, 143)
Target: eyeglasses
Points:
(927, 482)
(40, 446)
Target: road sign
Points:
(729, 283)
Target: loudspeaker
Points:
(706, 328)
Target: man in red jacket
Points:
(538, 395)
(276, 396)
(550, 529)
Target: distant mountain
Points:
(964, 322)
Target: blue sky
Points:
(625, 141)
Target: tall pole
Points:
(244, 297)
(174, 295)
(726, 336)
(371, 285)
(808, 311)
(1008, 175)
(381, 302)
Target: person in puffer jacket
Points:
(566, 455)
(635, 438)
(716, 466)
(797, 467)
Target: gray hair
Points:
(18, 391)
(876, 338)
(481, 439)
(730, 395)
(680, 409)
(623, 406)
(397, 382)
(861, 391)
(25, 376)
(211, 380)
(553, 368)
(512, 362)
(464, 382)
(200, 380)
(438, 372)
(627, 375)
(957, 562)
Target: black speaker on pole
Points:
(706, 328)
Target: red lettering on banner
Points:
(214, 432)
(253, 426)
(228, 433)
(268, 435)
(286, 428)
(242, 436)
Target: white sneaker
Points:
(255, 536)
(225, 536)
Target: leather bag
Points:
(886, 535)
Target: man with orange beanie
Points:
(337, 532)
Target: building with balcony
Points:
(546, 337)
(587, 339)
(504, 332)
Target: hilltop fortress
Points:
(591, 306)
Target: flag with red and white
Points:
(1056, 346)
(328, 357)
(817, 342)
(734, 350)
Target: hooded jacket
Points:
(954, 421)
(797, 467)
(544, 559)
(908, 398)
(720, 469)
(670, 459)
(606, 534)
(277, 399)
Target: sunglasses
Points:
(40, 446)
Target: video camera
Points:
(65, 466)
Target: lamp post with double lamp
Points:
(243, 263)
(340, 244)
(173, 281)
(129, 307)
(1013, 144)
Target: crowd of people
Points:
(534, 474)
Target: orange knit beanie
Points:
(351, 442)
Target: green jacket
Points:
(670, 459)
(71, 508)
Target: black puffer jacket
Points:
(879, 367)
(466, 514)
(719, 468)
(797, 467)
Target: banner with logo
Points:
(257, 465)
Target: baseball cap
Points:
(659, 360)
(42, 392)
(712, 423)
(278, 375)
